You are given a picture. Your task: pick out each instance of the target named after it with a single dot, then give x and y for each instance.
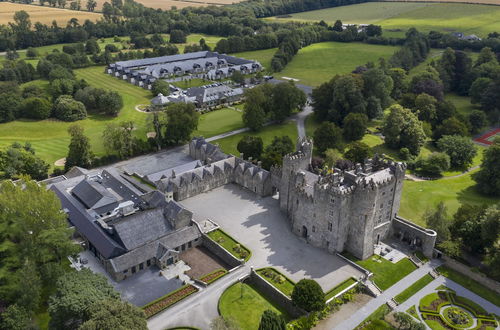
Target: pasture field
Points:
(263, 56)
(50, 139)
(318, 63)
(44, 14)
(399, 16)
(168, 4)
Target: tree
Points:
(79, 153)
(100, 100)
(357, 152)
(31, 52)
(488, 176)
(326, 136)
(271, 321)
(378, 84)
(92, 47)
(450, 126)
(114, 314)
(19, 160)
(425, 106)
(490, 226)
(10, 104)
(347, 98)
(177, 37)
(438, 221)
(68, 109)
(402, 129)
(37, 108)
(254, 115)
(331, 157)
(182, 120)
(477, 120)
(486, 56)
(434, 165)
(251, 146)
(477, 89)
(160, 87)
(460, 149)
(337, 26)
(35, 241)
(238, 77)
(118, 139)
(16, 318)
(466, 227)
(406, 322)
(273, 154)
(76, 295)
(308, 295)
(286, 98)
(355, 125)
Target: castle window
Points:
(125, 271)
(327, 244)
(314, 229)
(383, 193)
(330, 226)
(141, 266)
(133, 270)
(332, 200)
(297, 202)
(148, 262)
(392, 189)
(331, 212)
(314, 215)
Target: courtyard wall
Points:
(220, 252)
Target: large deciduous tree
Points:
(182, 120)
(114, 314)
(79, 153)
(461, 150)
(402, 129)
(308, 295)
(438, 220)
(488, 177)
(18, 160)
(327, 136)
(251, 146)
(355, 125)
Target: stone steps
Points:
(373, 288)
(434, 274)
(392, 304)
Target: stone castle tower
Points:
(344, 210)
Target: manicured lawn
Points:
(394, 16)
(280, 281)
(318, 63)
(185, 84)
(263, 56)
(219, 121)
(378, 314)
(414, 288)
(470, 284)
(385, 273)
(418, 196)
(228, 144)
(245, 305)
(230, 244)
(339, 288)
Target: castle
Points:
(342, 211)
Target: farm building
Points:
(204, 64)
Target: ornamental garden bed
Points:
(280, 281)
(168, 300)
(213, 276)
(230, 244)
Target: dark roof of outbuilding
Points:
(93, 194)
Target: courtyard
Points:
(259, 224)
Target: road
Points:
(199, 309)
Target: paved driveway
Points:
(258, 224)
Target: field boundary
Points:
(444, 1)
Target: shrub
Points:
(308, 295)
(68, 109)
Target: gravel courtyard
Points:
(258, 224)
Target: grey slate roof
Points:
(154, 177)
(161, 59)
(142, 227)
(148, 251)
(94, 195)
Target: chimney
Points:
(259, 163)
(173, 174)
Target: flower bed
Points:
(230, 244)
(278, 280)
(213, 276)
(457, 317)
(168, 300)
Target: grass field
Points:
(228, 144)
(263, 56)
(414, 288)
(44, 14)
(445, 17)
(50, 139)
(245, 306)
(385, 273)
(319, 62)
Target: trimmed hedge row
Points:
(168, 300)
(213, 276)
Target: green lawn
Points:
(219, 121)
(385, 273)
(280, 281)
(318, 63)
(228, 144)
(470, 284)
(263, 56)
(245, 305)
(378, 314)
(339, 288)
(418, 196)
(414, 288)
(196, 82)
(394, 16)
(230, 244)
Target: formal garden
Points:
(230, 244)
(445, 309)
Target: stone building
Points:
(346, 210)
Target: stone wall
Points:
(422, 238)
(220, 252)
(275, 295)
(465, 270)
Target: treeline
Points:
(282, 7)
(444, 40)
